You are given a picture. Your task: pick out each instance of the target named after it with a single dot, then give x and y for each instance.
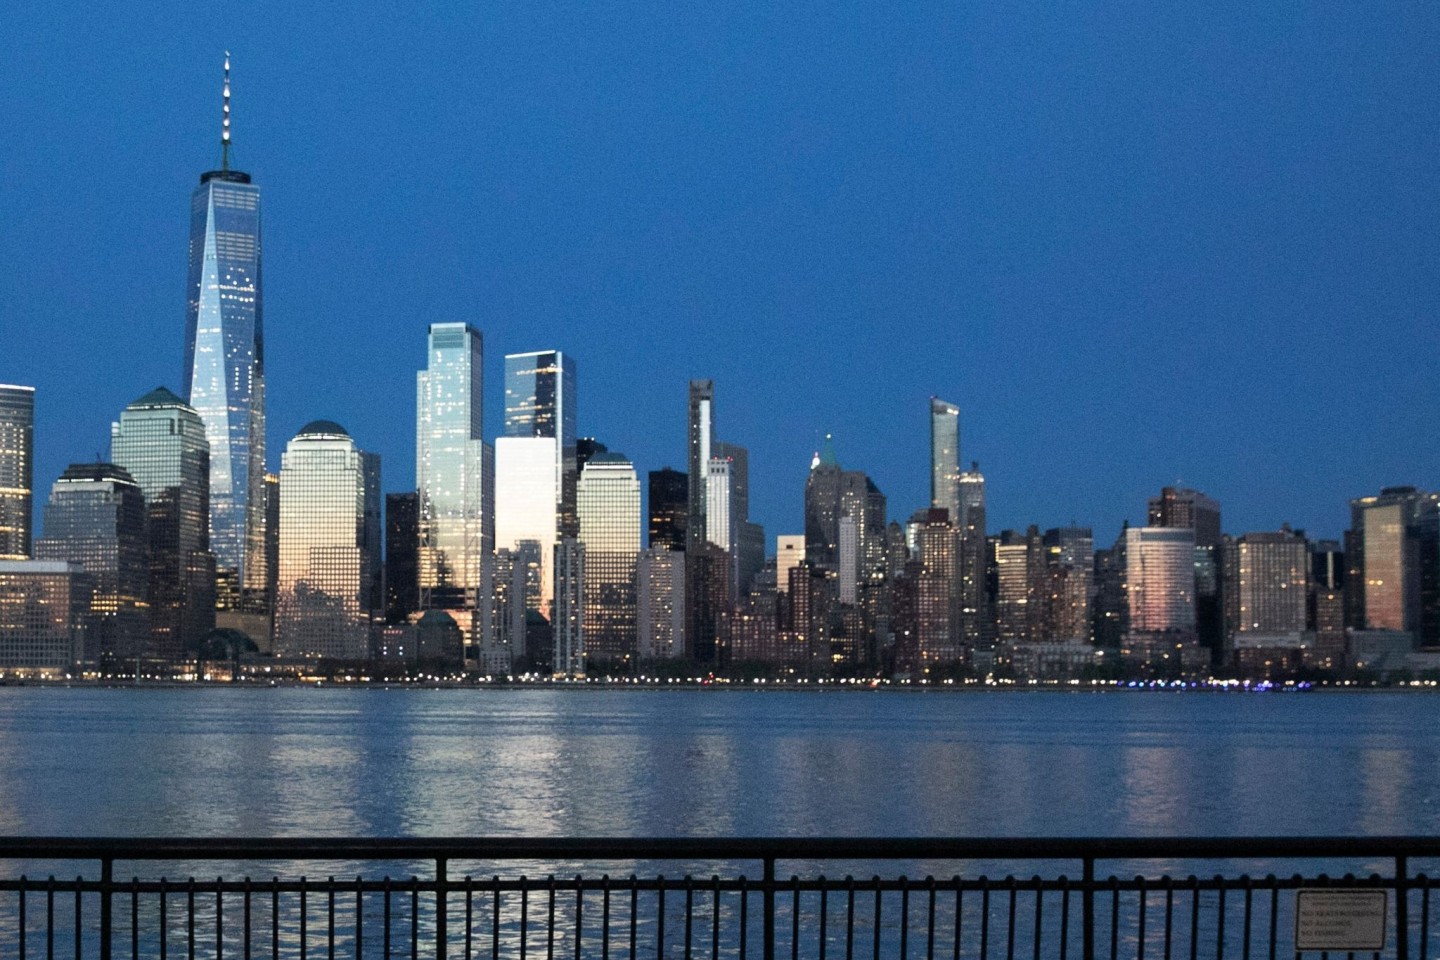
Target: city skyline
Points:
(1090, 452)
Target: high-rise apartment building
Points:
(789, 553)
(927, 596)
(17, 470)
(568, 625)
(669, 506)
(660, 598)
(975, 617)
(1393, 554)
(1266, 585)
(1179, 507)
(704, 617)
(160, 441)
(1326, 610)
(224, 372)
(608, 505)
(1157, 617)
(945, 458)
(96, 518)
(1070, 574)
(322, 609)
(454, 473)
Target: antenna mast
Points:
(225, 122)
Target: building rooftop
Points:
(320, 428)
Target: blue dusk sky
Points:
(1137, 243)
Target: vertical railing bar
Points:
(635, 923)
(359, 918)
(1220, 918)
(579, 915)
(689, 913)
(849, 917)
(78, 910)
(605, 916)
(1170, 915)
(1402, 909)
(795, 917)
(1064, 918)
(1140, 922)
(930, 920)
(1194, 916)
(1087, 907)
(190, 916)
(660, 914)
(385, 920)
(1274, 914)
(744, 919)
(275, 918)
(414, 917)
(442, 907)
(470, 917)
(824, 910)
(134, 919)
(876, 919)
(50, 918)
(715, 920)
(164, 921)
(524, 917)
(245, 936)
(304, 920)
(1010, 921)
(549, 919)
(107, 877)
(767, 894)
(1425, 917)
(495, 918)
(330, 917)
(1039, 916)
(984, 917)
(219, 919)
(1114, 917)
(20, 895)
(1249, 908)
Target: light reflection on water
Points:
(267, 762)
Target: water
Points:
(374, 762)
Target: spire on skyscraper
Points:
(225, 119)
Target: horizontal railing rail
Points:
(715, 897)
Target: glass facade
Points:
(527, 496)
(945, 458)
(225, 371)
(95, 518)
(160, 441)
(608, 502)
(43, 605)
(669, 490)
(17, 469)
(322, 607)
(454, 471)
(1159, 580)
(540, 402)
(1266, 581)
(660, 597)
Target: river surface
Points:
(375, 762)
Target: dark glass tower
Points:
(225, 365)
(669, 495)
(17, 467)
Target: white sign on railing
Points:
(1340, 919)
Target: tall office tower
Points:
(160, 441)
(1013, 588)
(660, 596)
(96, 518)
(945, 458)
(43, 608)
(703, 620)
(17, 469)
(1266, 576)
(452, 466)
(402, 556)
(974, 603)
(1392, 552)
(789, 553)
(608, 505)
(927, 601)
(1326, 607)
(1182, 507)
(1070, 575)
(568, 625)
(719, 526)
(848, 577)
(528, 495)
(321, 611)
(831, 493)
(1109, 606)
(540, 402)
(587, 448)
(225, 366)
(746, 540)
(1158, 569)
(669, 506)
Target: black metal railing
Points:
(1017, 899)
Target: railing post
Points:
(769, 893)
(441, 896)
(1402, 910)
(1087, 906)
(107, 869)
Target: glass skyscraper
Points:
(609, 512)
(225, 366)
(17, 468)
(160, 441)
(945, 458)
(326, 545)
(96, 518)
(540, 402)
(454, 472)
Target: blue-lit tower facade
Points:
(225, 369)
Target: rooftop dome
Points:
(322, 428)
(159, 397)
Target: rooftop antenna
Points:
(225, 121)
